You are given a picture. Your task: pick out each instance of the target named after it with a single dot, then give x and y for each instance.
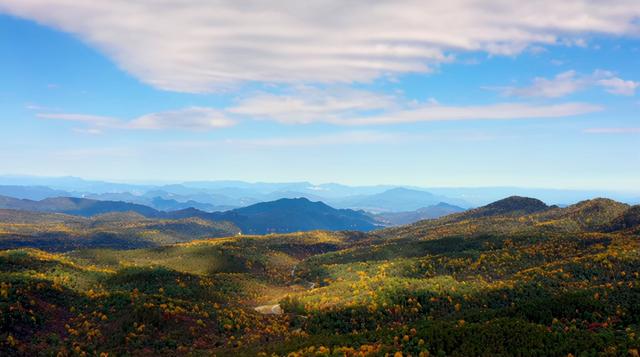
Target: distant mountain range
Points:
(280, 216)
(436, 211)
(396, 200)
(76, 206)
(212, 196)
(215, 197)
(31, 192)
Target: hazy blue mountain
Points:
(298, 214)
(396, 200)
(115, 196)
(239, 193)
(291, 194)
(73, 184)
(286, 215)
(31, 192)
(75, 206)
(431, 212)
(165, 202)
(202, 197)
(162, 204)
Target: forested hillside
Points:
(118, 230)
(514, 278)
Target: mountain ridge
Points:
(265, 217)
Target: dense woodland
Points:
(513, 278)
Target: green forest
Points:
(513, 278)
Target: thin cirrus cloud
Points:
(353, 108)
(499, 111)
(570, 82)
(308, 106)
(192, 118)
(612, 131)
(203, 46)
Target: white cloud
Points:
(342, 107)
(192, 118)
(619, 86)
(208, 45)
(366, 108)
(499, 111)
(96, 122)
(561, 85)
(570, 82)
(306, 105)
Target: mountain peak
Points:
(297, 214)
(508, 206)
(518, 203)
(592, 214)
(596, 203)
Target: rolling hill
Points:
(517, 214)
(118, 230)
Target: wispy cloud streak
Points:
(192, 118)
(570, 82)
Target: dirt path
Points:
(269, 309)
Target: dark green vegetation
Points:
(514, 278)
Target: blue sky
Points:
(111, 91)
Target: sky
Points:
(439, 93)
